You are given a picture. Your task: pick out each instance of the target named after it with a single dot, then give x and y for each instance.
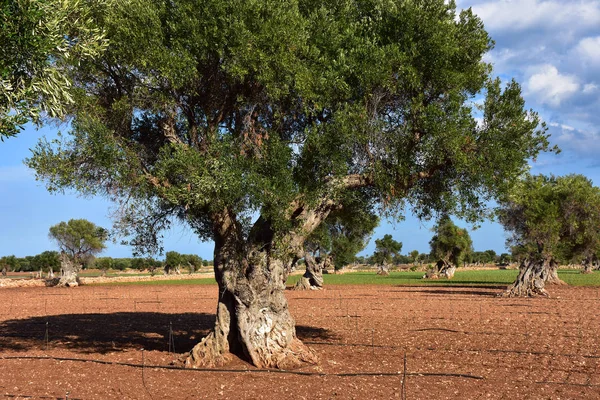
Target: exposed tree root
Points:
(209, 353)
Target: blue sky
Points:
(551, 47)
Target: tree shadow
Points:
(448, 285)
(106, 333)
(492, 291)
(311, 332)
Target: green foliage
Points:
(41, 40)
(9, 262)
(200, 106)
(104, 263)
(386, 249)
(80, 239)
(121, 264)
(173, 259)
(505, 258)
(45, 261)
(482, 257)
(450, 243)
(553, 218)
(414, 255)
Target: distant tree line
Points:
(50, 260)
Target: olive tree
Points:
(250, 121)
(550, 219)
(450, 246)
(8, 263)
(386, 249)
(173, 262)
(104, 264)
(78, 240)
(46, 260)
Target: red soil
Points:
(522, 348)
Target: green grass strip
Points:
(462, 277)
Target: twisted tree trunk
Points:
(551, 274)
(253, 320)
(4, 271)
(588, 268)
(443, 269)
(383, 270)
(531, 279)
(313, 276)
(69, 271)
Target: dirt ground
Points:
(457, 343)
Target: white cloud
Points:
(562, 126)
(526, 14)
(550, 87)
(589, 88)
(589, 50)
(577, 143)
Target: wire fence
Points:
(356, 323)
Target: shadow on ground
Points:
(104, 333)
(469, 290)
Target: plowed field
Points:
(111, 342)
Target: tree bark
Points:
(383, 270)
(313, 276)
(253, 320)
(448, 271)
(4, 271)
(588, 268)
(69, 271)
(531, 279)
(443, 269)
(551, 274)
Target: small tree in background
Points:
(414, 256)
(449, 247)
(173, 261)
(48, 261)
(104, 264)
(193, 261)
(550, 219)
(386, 249)
(78, 240)
(8, 263)
(505, 258)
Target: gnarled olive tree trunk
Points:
(313, 276)
(69, 272)
(532, 278)
(551, 274)
(253, 320)
(383, 270)
(443, 269)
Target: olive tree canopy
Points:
(215, 111)
(550, 220)
(79, 240)
(40, 40)
(450, 246)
